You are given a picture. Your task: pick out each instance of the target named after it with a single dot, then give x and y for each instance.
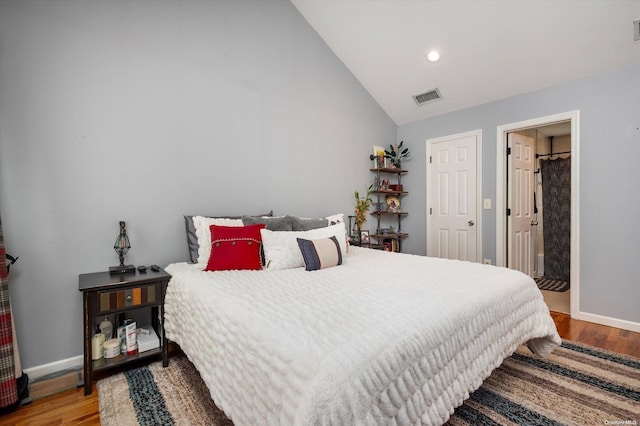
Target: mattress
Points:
(385, 338)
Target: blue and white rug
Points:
(576, 385)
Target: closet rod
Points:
(553, 153)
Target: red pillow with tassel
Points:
(235, 247)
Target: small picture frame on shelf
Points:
(378, 157)
(378, 151)
(365, 237)
(393, 204)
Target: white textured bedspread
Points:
(386, 338)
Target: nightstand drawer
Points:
(136, 296)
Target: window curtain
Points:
(8, 387)
(556, 216)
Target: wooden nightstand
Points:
(106, 294)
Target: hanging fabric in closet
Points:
(8, 388)
(556, 216)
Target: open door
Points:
(521, 163)
(504, 171)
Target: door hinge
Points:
(508, 212)
(430, 210)
(508, 150)
(430, 159)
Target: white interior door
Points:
(452, 230)
(521, 161)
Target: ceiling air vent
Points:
(427, 97)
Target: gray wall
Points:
(609, 176)
(145, 111)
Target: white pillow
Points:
(336, 218)
(203, 234)
(281, 250)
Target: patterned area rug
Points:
(551, 285)
(576, 385)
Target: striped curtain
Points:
(8, 388)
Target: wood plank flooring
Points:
(73, 408)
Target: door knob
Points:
(471, 223)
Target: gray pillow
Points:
(306, 224)
(192, 240)
(282, 223)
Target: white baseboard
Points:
(53, 367)
(611, 322)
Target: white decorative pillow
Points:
(335, 218)
(203, 233)
(281, 250)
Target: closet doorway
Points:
(537, 234)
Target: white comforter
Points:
(385, 338)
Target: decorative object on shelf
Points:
(122, 246)
(364, 237)
(393, 204)
(391, 244)
(387, 231)
(396, 153)
(362, 206)
(352, 226)
(354, 237)
(378, 156)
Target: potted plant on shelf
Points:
(362, 206)
(396, 153)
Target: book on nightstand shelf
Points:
(147, 341)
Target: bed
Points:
(383, 338)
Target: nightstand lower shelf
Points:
(107, 363)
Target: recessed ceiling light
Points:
(433, 56)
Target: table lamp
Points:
(122, 246)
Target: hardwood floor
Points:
(73, 408)
(600, 336)
(65, 408)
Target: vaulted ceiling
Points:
(490, 49)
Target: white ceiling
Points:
(490, 49)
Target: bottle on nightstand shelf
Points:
(97, 345)
(107, 328)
